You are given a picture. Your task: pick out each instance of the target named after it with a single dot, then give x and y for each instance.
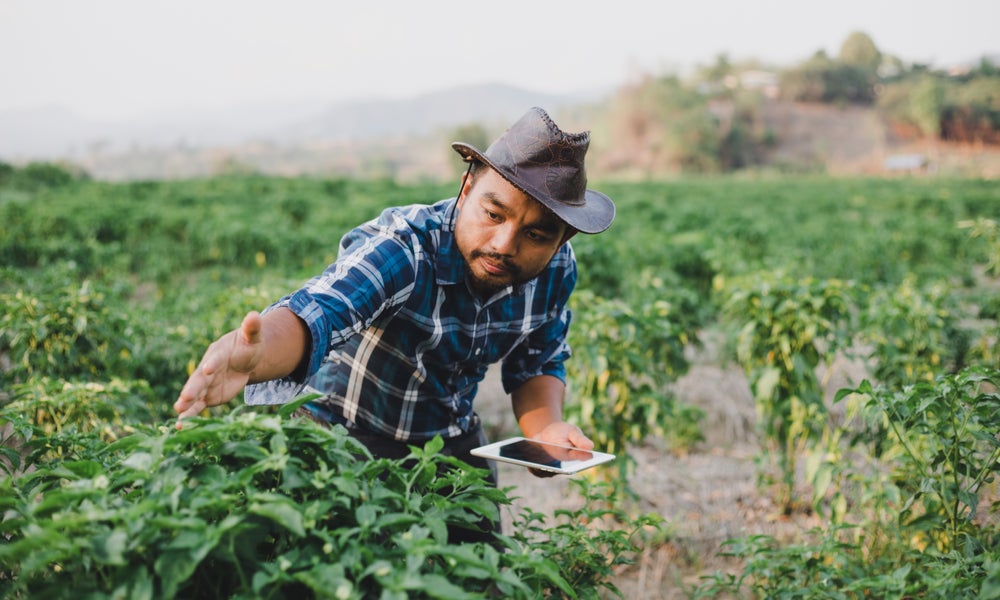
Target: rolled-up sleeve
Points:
(545, 350)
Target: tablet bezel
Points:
(492, 452)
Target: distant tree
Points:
(662, 125)
(745, 140)
(858, 72)
(927, 104)
(987, 68)
(42, 174)
(858, 50)
(959, 109)
(7, 171)
(894, 102)
(659, 125)
(713, 78)
(822, 79)
(720, 69)
(806, 82)
(972, 111)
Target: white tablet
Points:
(542, 455)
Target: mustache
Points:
(505, 261)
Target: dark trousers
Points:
(460, 447)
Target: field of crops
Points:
(110, 293)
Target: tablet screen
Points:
(534, 452)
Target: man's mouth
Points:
(496, 265)
(493, 267)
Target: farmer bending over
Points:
(399, 331)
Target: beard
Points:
(490, 284)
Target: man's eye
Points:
(492, 215)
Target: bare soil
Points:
(858, 140)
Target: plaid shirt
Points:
(399, 343)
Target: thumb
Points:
(250, 328)
(578, 440)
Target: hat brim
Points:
(594, 215)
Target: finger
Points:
(195, 389)
(187, 396)
(193, 410)
(578, 440)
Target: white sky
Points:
(122, 58)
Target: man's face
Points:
(505, 236)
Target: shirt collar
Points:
(449, 265)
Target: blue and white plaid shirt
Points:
(400, 343)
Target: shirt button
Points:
(478, 351)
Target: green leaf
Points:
(282, 511)
(395, 520)
(109, 547)
(139, 461)
(10, 459)
(287, 410)
(434, 445)
(84, 468)
(550, 571)
(990, 588)
(437, 586)
(365, 515)
(140, 586)
(766, 383)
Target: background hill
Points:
(408, 139)
(303, 137)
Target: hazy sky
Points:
(122, 58)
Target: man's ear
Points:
(465, 189)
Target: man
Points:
(399, 331)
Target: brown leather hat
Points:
(546, 163)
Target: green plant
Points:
(922, 533)
(262, 505)
(989, 232)
(590, 544)
(941, 440)
(788, 327)
(913, 333)
(67, 330)
(49, 419)
(820, 569)
(623, 361)
(825, 567)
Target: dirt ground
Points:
(707, 495)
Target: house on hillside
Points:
(766, 82)
(906, 163)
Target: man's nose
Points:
(504, 240)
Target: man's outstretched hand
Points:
(224, 370)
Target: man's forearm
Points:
(538, 403)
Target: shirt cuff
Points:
(305, 306)
(512, 381)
